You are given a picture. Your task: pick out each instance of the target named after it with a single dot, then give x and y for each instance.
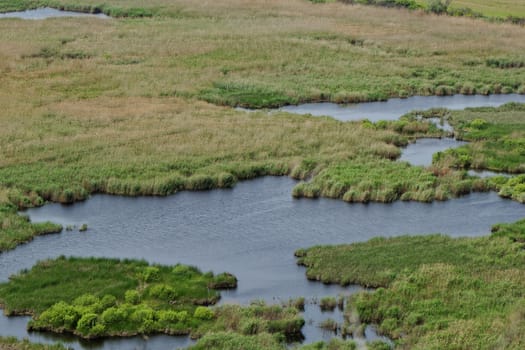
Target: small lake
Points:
(48, 12)
(251, 231)
(396, 107)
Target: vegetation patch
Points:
(386, 181)
(232, 340)
(11, 343)
(242, 95)
(497, 143)
(106, 297)
(434, 291)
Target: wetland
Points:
(118, 140)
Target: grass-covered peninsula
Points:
(434, 292)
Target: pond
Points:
(48, 12)
(251, 231)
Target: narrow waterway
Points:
(48, 12)
(396, 107)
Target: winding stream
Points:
(251, 231)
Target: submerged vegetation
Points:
(434, 291)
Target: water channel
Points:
(396, 107)
(251, 231)
(48, 12)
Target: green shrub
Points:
(203, 313)
(132, 296)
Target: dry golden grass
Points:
(295, 47)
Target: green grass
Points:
(124, 116)
(227, 341)
(435, 292)
(99, 297)
(8, 343)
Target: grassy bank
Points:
(434, 292)
(385, 181)
(16, 229)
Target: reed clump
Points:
(327, 304)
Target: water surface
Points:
(396, 107)
(48, 12)
(421, 151)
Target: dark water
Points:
(421, 151)
(396, 107)
(251, 231)
(47, 12)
